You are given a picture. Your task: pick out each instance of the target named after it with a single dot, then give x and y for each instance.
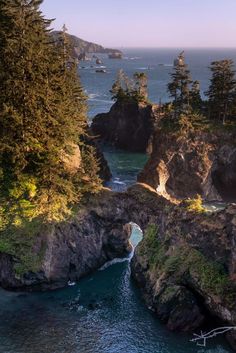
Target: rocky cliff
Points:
(82, 46)
(128, 126)
(185, 164)
(47, 257)
(57, 254)
(184, 161)
(185, 265)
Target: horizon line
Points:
(172, 47)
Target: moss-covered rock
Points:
(185, 267)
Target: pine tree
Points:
(118, 90)
(179, 87)
(195, 97)
(221, 92)
(42, 116)
(141, 85)
(130, 89)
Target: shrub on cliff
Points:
(42, 116)
(195, 205)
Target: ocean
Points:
(104, 312)
(157, 64)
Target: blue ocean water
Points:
(104, 312)
(157, 64)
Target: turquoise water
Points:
(124, 167)
(104, 313)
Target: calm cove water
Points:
(104, 312)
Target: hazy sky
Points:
(148, 23)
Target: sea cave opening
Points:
(224, 180)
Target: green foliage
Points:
(126, 89)
(182, 261)
(151, 247)
(187, 98)
(42, 117)
(211, 275)
(222, 90)
(179, 87)
(185, 124)
(195, 205)
(18, 240)
(195, 99)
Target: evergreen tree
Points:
(221, 92)
(42, 115)
(120, 88)
(179, 87)
(141, 85)
(195, 97)
(125, 88)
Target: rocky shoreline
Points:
(185, 266)
(186, 263)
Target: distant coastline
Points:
(82, 46)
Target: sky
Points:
(147, 23)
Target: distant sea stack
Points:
(82, 46)
(115, 55)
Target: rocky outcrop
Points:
(187, 164)
(82, 46)
(128, 126)
(104, 170)
(47, 257)
(186, 268)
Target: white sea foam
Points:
(135, 58)
(71, 284)
(118, 182)
(115, 261)
(93, 95)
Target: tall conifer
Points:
(42, 116)
(221, 92)
(179, 87)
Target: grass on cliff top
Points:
(182, 264)
(18, 241)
